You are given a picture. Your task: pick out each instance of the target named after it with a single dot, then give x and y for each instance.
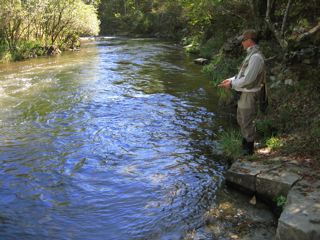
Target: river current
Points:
(116, 141)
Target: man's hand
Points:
(225, 84)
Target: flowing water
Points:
(115, 141)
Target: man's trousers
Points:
(246, 114)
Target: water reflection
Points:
(115, 140)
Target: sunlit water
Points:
(113, 142)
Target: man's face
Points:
(246, 42)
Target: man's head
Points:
(248, 38)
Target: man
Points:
(249, 82)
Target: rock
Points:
(243, 174)
(300, 219)
(201, 61)
(253, 200)
(272, 78)
(232, 217)
(275, 84)
(53, 50)
(275, 182)
(198, 234)
(289, 82)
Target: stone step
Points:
(300, 218)
(201, 61)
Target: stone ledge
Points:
(243, 174)
(300, 219)
(275, 182)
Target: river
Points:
(116, 141)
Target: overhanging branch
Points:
(309, 33)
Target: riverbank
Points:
(285, 170)
(31, 50)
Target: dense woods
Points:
(204, 25)
(284, 19)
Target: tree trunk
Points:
(284, 20)
(259, 9)
(283, 43)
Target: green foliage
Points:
(191, 44)
(274, 143)
(315, 129)
(221, 67)
(280, 201)
(211, 47)
(3, 49)
(230, 142)
(27, 26)
(171, 19)
(269, 50)
(266, 128)
(5, 56)
(285, 119)
(28, 49)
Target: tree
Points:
(46, 20)
(63, 17)
(12, 18)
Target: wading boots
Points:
(247, 147)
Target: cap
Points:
(248, 34)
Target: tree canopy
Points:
(49, 22)
(283, 19)
(196, 23)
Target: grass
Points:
(230, 143)
(280, 201)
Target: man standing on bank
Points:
(249, 82)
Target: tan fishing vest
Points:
(261, 78)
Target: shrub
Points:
(210, 47)
(274, 143)
(220, 68)
(28, 49)
(280, 201)
(191, 44)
